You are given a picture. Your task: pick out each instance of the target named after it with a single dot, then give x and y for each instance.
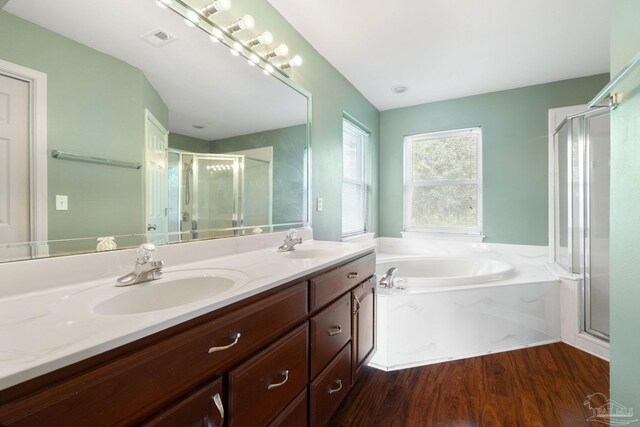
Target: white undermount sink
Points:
(172, 290)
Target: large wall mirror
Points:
(117, 119)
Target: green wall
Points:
(188, 143)
(95, 107)
(514, 150)
(288, 173)
(332, 95)
(625, 215)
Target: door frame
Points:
(37, 82)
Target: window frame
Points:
(365, 183)
(409, 184)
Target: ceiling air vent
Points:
(158, 37)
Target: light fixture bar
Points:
(224, 36)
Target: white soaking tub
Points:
(460, 306)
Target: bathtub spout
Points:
(389, 277)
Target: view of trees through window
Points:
(442, 180)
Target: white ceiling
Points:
(201, 83)
(445, 49)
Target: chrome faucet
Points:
(146, 269)
(389, 278)
(290, 241)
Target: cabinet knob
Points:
(235, 339)
(217, 401)
(285, 374)
(352, 275)
(335, 390)
(356, 300)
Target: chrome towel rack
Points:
(63, 155)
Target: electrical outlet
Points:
(319, 204)
(62, 202)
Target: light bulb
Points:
(247, 22)
(163, 4)
(214, 39)
(281, 50)
(215, 7)
(254, 58)
(296, 61)
(222, 4)
(234, 52)
(265, 38)
(268, 69)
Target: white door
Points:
(14, 161)
(156, 179)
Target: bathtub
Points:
(457, 307)
(446, 271)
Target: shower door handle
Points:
(151, 227)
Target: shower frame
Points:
(578, 143)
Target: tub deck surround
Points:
(433, 321)
(39, 335)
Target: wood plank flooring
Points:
(539, 386)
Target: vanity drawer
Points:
(141, 383)
(332, 284)
(330, 331)
(330, 388)
(294, 415)
(263, 386)
(204, 407)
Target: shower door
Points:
(581, 235)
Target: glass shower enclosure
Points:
(581, 235)
(212, 193)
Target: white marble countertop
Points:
(41, 331)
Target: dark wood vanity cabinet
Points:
(283, 358)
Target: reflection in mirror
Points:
(223, 148)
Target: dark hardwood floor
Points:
(538, 386)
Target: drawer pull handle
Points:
(217, 400)
(357, 301)
(352, 275)
(335, 390)
(335, 331)
(285, 374)
(235, 339)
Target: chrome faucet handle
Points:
(146, 253)
(291, 234)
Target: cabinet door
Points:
(363, 303)
(203, 408)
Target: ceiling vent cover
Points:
(158, 37)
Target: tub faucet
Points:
(145, 270)
(290, 241)
(389, 277)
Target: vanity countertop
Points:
(41, 331)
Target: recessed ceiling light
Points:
(399, 89)
(198, 126)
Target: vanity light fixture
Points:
(265, 38)
(202, 17)
(163, 4)
(296, 61)
(215, 7)
(253, 59)
(281, 50)
(268, 69)
(192, 19)
(237, 49)
(245, 23)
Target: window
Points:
(443, 182)
(355, 186)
